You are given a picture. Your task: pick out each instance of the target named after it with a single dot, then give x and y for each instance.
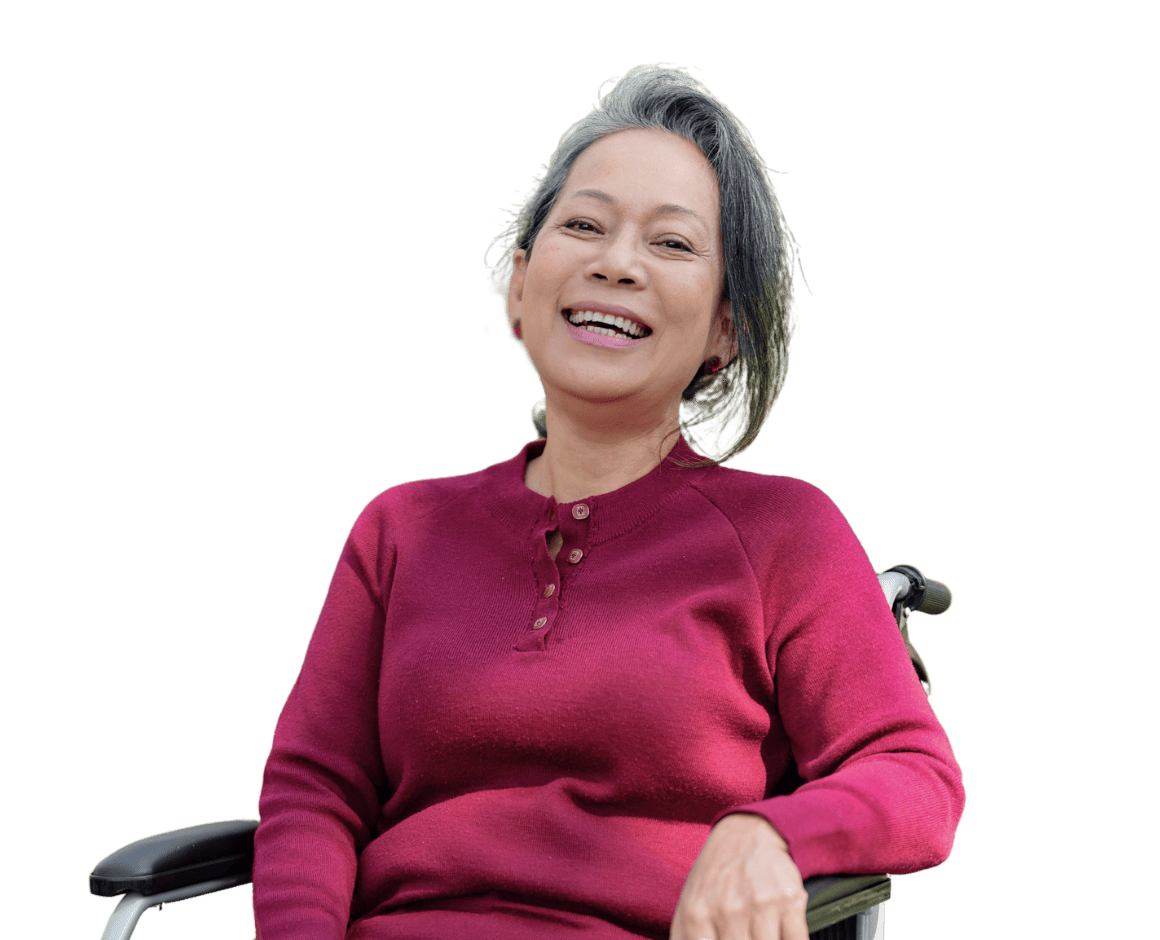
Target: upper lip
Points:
(612, 309)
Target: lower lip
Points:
(599, 339)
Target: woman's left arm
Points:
(882, 791)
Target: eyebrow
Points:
(669, 208)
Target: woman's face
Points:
(635, 233)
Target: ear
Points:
(723, 338)
(515, 297)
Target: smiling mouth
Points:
(606, 324)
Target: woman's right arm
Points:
(324, 779)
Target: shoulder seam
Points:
(441, 504)
(694, 485)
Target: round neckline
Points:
(611, 514)
(535, 449)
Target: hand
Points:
(743, 886)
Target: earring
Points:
(516, 331)
(713, 365)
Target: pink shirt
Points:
(484, 741)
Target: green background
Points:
(243, 294)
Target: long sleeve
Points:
(322, 786)
(882, 789)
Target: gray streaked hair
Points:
(757, 246)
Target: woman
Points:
(557, 697)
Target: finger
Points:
(785, 920)
(733, 916)
(677, 933)
(691, 924)
(766, 925)
(793, 921)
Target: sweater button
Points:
(549, 590)
(539, 623)
(575, 555)
(580, 511)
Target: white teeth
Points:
(587, 318)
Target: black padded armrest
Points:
(178, 859)
(835, 897)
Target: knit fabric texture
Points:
(485, 741)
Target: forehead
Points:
(645, 168)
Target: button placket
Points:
(547, 575)
(573, 523)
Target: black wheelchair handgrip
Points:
(924, 595)
(935, 599)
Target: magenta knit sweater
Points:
(487, 743)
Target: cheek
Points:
(549, 262)
(541, 283)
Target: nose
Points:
(619, 262)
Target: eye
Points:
(577, 223)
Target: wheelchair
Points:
(202, 859)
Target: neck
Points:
(580, 460)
